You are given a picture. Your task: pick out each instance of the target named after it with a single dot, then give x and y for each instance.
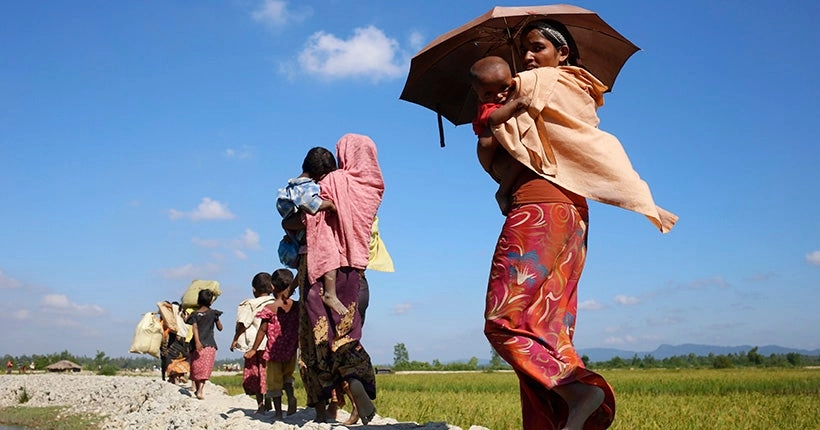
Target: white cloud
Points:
(244, 152)
(665, 320)
(8, 282)
(716, 281)
(626, 300)
(21, 314)
(190, 271)
(416, 41)
(402, 308)
(60, 303)
(369, 53)
(239, 254)
(205, 243)
(620, 340)
(813, 258)
(207, 210)
(249, 240)
(277, 14)
(590, 305)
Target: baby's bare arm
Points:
(509, 110)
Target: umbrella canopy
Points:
(439, 73)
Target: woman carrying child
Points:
(531, 302)
(340, 241)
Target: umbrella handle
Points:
(440, 127)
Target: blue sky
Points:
(142, 144)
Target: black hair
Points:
(544, 26)
(318, 162)
(281, 280)
(261, 282)
(205, 298)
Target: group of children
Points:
(267, 330)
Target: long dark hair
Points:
(546, 27)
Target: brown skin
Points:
(540, 52)
(492, 82)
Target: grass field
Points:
(687, 399)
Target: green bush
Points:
(108, 370)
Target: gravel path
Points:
(140, 402)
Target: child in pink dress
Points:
(280, 322)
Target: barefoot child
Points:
(247, 327)
(302, 194)
(203, 353)
(493, 84)
(280, 322)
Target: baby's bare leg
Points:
(329, 295)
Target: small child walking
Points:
(280, 322)
(203, 351)
(247, 326)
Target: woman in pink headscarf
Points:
(340, 241)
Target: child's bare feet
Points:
(582, 400)
(362, 402)
(334, 304)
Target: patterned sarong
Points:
(336, 353)
(253, 375)
(202, 363)
(531, 309)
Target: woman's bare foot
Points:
(334, 303)
(354, 415)
(582, 400)
(362, 402)
(353, 419)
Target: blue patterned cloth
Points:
(301, 193)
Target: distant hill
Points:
(665, 351)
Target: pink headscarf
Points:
(356, 188)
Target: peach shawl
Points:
(342, 239)
(558, 138)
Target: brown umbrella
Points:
(439, 73)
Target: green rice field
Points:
(748, 398)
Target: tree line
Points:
(103, 364)
(752, 358)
